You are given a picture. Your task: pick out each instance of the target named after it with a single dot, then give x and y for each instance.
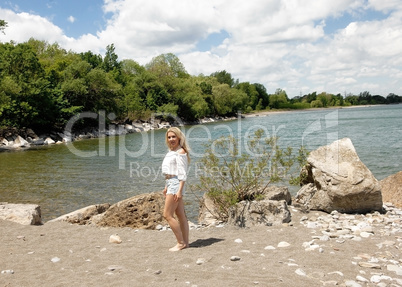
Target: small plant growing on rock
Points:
(230, 175)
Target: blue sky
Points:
(345, 46)
(75, 17)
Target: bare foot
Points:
(178, 247)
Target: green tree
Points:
(94, 60)
(110, 62)
(222, 99)
(74, 86)
(167, 72)
(325, 99)
(167, 65)
(310, 97)
(33, 105)
(251, 92)
(262, 95)
(352, 99)
(133, 107)
(191, 101)
(224, 77)
(169, 109)
(365, 98)
(259, 106)
(278, 100)
(3, 26)
(393, 99)
(103, 91)
(9, 90)
(316, 104)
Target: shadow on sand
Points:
(204, 242)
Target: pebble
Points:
(361, 279)
(351, 283)
(115, 239)
(369, 265)
(238, 240)
(114, 267)
(55, 259)
(283, 244)
(269, 247)
(200, 261)
(7, 271)
(339, 228)
(300, 272)
(234, 258)
(395, 268)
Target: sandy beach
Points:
(61, 254)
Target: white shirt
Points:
(175, 163)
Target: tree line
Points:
(43, 85)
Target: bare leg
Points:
(170, 207)
(181, 215)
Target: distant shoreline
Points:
(50, 138)
(268, 112)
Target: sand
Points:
(84, 257)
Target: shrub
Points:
(230, 176)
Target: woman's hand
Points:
(177, 196)
(164, 191)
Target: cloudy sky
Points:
(301, 46)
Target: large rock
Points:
(391, 188)
(26, 214)
(259, 212)
(20, 142)
(84, 216)
(209, 213)
(142, 211)
(278, 193)
(336, 179)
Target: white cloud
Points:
(278, 43)
(71, 19)
(23, 26)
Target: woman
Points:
(174, 168)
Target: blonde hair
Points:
(182, 140)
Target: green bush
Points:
(229, 175)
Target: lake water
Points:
(63, 178)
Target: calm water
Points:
(64, 178)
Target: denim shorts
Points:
(173, 185)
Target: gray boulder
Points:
(259, 212)
(208, 212)
(272, 210)
(336, 179)
(278, 193)
(20, 142)
(391, 189)
(84, 216)
(26, 214)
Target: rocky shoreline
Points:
(12, 139)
